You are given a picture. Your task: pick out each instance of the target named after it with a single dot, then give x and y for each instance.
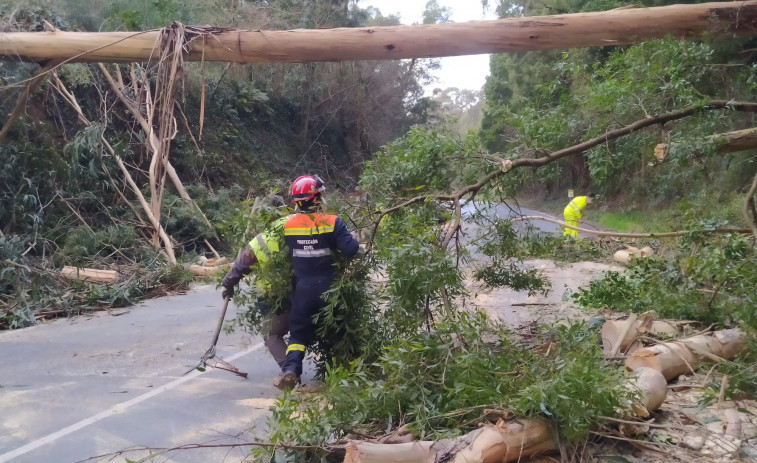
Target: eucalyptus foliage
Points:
(440, 383)
(550, 101)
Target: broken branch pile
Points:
(650, 370)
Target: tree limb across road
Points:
(555, 32)
(507, 165)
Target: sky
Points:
(464, 72)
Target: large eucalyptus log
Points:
(614, 27)
(675, 358)
(503, 442)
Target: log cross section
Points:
(604, 28)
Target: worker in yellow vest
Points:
(573, 212)
(263, 250)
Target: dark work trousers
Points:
(273, 329)
(306, 302)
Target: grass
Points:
(632, 221)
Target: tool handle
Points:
(220, 322)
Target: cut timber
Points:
(631, 254)
(653, 388)
(559, 32)
(730, 142)
(675, 358)
(614, 339)
(89, 274)
(503, 442)
(201, 271)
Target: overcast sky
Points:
(458, 71)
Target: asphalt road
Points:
(75, 389)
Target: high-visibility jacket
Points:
(311, 237)
(574, 210)
(266, 244)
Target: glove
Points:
(228, 291)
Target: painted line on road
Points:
(118, 408)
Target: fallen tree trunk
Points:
(597, 29)
(202, 271)
(503, 442)
(675, 358)
(730, 142)
(631, 254)
(90, 275)
(618, 336)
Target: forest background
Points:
(246, 130)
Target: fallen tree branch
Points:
(576, 30)
(634, 235)
(508, 165)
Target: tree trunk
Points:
(729, 142)
(598, 29)
(680, 357)
(502, 442)
(89, 274)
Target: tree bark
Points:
(597, 29)
(502, 442)
(729, 142)
(675, 358)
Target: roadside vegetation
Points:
(402, 345)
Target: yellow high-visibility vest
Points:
(267, 243)
(575, 208)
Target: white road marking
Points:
(118, 408)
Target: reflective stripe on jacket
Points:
(267, 243)
(576, 207)
(311, 237)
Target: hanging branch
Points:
(674, 234)
(145, 121)
(507, 165)
(71, 100)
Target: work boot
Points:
(286, 380)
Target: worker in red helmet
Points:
(263, 250)
(312, 236)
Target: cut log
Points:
(558, 32)
(631, 254)
(612, 331)
(503, 442)
(90, 275)
(675, 358)
(729, 142)
(202, 271)
(653, 388)
(205, 262)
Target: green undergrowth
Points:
(442, 384)
(31, 288)
(630, 222)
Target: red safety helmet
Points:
(306, 187)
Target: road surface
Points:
(73, 389)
